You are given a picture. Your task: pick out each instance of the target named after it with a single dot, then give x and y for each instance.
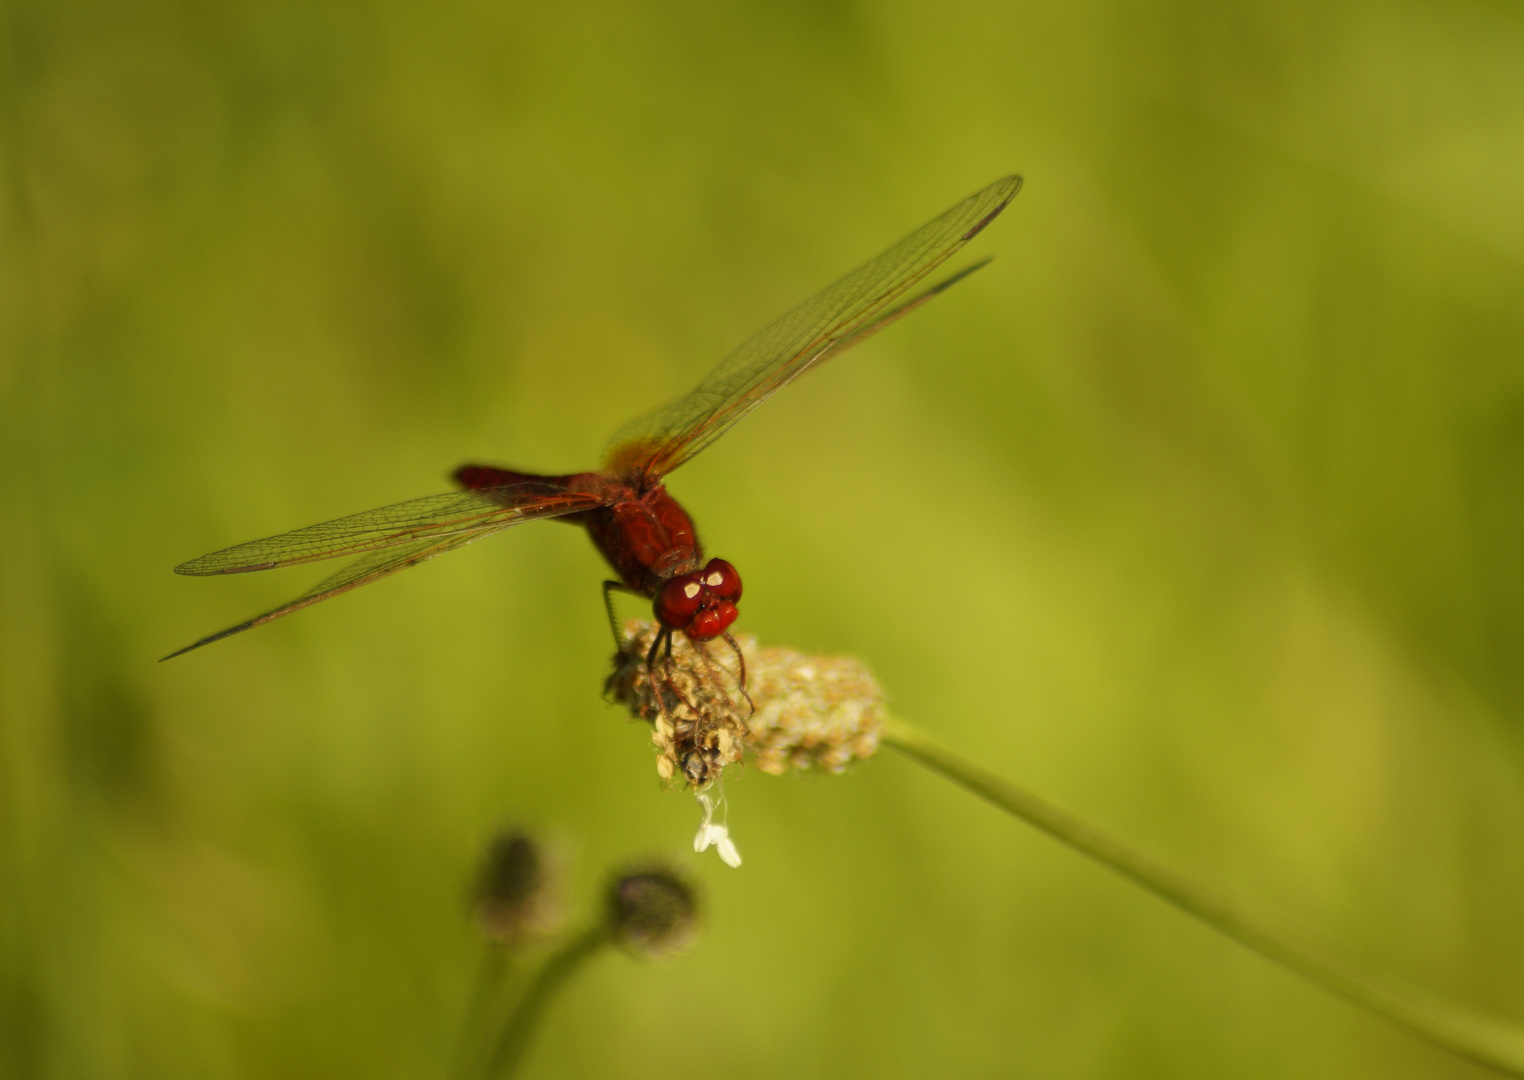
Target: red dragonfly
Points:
(645, 535)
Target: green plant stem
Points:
(1489, 1042)
(508, 1050)
(492, 977)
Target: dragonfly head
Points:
(702, 604)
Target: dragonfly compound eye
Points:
(720, 578)
(678, 600)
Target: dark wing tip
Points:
(1012, 185)
(943, 286)
(218, 636)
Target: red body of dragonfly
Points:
(645, 535)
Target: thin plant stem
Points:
(492, 976)
(1484, 1040)
(512, 1042)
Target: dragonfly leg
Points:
(661, 635)
(717, 673)
(751, 706)
(677, 695)
(664, 637)
(610, 587)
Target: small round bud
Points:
(513, 901)
(652, 912)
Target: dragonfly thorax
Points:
(701, 604)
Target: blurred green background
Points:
(1201, 511)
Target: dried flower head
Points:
(693, 701)
(652, 911)
(795, 711)
(514, 898)
(811, 711)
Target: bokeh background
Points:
(1201, 511)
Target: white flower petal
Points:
(718, 835)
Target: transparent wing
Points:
(372, 566)
(825, 324)
(432, 517)
(899, 311)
